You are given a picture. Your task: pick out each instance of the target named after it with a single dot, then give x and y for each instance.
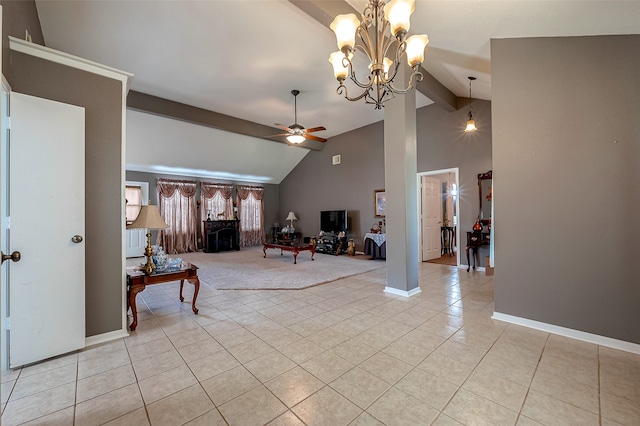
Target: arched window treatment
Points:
(251, 214)
(177, 202)
(216, 200)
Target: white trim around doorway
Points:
(456, 172)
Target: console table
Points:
(474, 241)
(375, 245)
(447, 237)
(221, 235)
(137, 281)
(294, 248)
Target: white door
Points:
(136, 239)
(46, 201)
(431, 217)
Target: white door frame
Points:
(456, 172)
(4, 244)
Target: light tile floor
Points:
(343, 353)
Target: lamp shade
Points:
(471, 125)
(296, 138)
(415, 49)
(149, 218)
(291, 216)
(345, 28)
(339, 70)
(398, 12)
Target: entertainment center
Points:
(333, 232)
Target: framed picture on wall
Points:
(379, 202)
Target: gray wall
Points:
(315, 184)
(102, 99)
(271, 200)
(17, 18)
(567, 171)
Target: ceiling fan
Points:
(296, 133)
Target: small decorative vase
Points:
(160, 257)
(477, 227)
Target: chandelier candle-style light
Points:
(372, 37)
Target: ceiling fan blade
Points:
(315, 138)
(316, 129)
(279, 134)
(283, 127)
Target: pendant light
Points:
(471, 124)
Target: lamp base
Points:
(149, 267)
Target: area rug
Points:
(248, 269)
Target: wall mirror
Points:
(485, 181)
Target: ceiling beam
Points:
(178, 111)
(325, 11)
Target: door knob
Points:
(76, 239)
(15, 256)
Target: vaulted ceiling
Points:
(242, 58)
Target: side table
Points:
(137, 282)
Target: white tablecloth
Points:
(379, 239)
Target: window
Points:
(133, 199)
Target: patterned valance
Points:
(210, 189)
(167, 187)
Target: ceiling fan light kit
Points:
(373, 37)
(296, 134)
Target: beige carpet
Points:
(247, 269)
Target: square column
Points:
(401, 209)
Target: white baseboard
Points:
(569, 332)
(402, 293)
(105, 337)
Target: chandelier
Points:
(373, 38)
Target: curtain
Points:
(177, 203)
(251, 214)
(216, 200)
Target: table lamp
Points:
(148, 218)
(291, 217)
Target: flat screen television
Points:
(333, 221)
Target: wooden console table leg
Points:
(133, 292)
(264, 250)
(196, 283)
(295, 256)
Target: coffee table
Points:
(294, 248)
(137, 281)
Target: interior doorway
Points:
(445, 213)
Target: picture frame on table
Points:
(379, 202)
